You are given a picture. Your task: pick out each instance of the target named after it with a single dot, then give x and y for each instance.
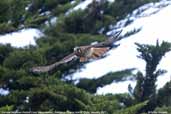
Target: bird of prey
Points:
(83, 53)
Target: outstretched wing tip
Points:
(44, 69)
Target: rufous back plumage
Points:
(83, 53)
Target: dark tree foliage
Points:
(152, 56)
(4, 52)
(164, 95)
(146, 87)
(91, 85)
(48, 92)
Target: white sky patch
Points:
(51, 22)
(21, 38)
(4, 92)
(73, 2)
(116, 87)
(111, 0)
(155, 26)
(83, 5)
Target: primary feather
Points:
(84, 53)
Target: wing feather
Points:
(99, 52)
(109, 42)
(83, 59)
(43, 69)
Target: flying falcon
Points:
(83, 53)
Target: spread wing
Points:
(87, 52)
(109, 42)
(43, 69)
(99, 52)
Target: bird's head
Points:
(77, 49)
(80, 51)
